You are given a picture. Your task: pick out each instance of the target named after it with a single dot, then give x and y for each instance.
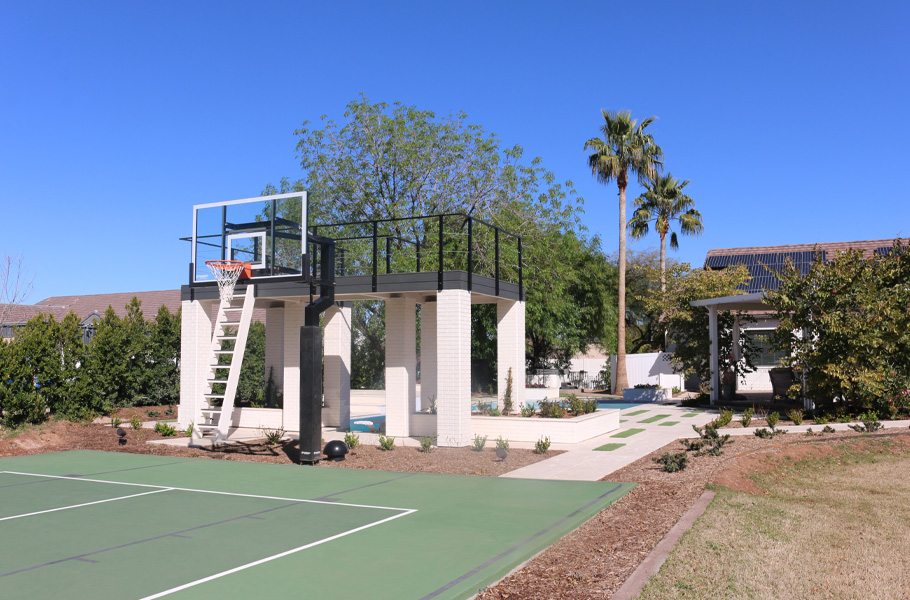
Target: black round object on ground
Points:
(335, 450)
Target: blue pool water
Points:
(360, 423)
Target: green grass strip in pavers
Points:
(669, 423)
(654, 419)
(627, 433)
(609, 447)
(637, 412)
(692, 414)
(623, 420)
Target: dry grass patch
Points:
(826, 525)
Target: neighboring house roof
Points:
(764, 261)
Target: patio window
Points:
(767, 355)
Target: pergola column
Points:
(510, 348)
(400, 364)
(195, 351)
(712, 332)
(337, 367)
(427, 353)
(293, 321)
(453, 371)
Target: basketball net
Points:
(226, 272)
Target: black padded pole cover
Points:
(310, 394)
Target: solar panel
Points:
(762, 267)
(888, 250)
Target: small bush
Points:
(165, 429)
(153, 414)
(479, 442)
(869, 423)
(170, 410)
(590, 405)
(672, 463)
(767, 434)
(543, 444)
(552, 409)
(828, 429)
(502, 444)
(746, 417)
(528, 410)
(386, 443)
(795, 415)
(692, 445)
(352, 440)
(821, 419)
(426, 444)
(809, 431)
(189, 430)
(576, 404)
(115, 422)
(724, 418)
(676, 390)
(136, 422)
(772, 419)
(272, 436)
(494, 412)
(484, 408)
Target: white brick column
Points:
(274, 346)
(510, 350)
(453, 373)
(427, 353)
(337, 367)
(293, 320)
(400, 364)
(195, 350)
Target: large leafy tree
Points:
(848, 327)
(398, 161)
(624, 149)
(662, 203)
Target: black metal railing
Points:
(446, 242)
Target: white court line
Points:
(271, 558)
(180, 489)
(41, 512)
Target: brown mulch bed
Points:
(591, 562)
(63, 435)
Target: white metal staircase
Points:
(232, 325)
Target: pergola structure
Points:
(744, 302)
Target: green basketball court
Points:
(113, 525)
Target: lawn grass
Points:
(831, 527)
(609, 447)
(654, 419)
(627, 433)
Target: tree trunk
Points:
(622, 379)
(663, 282)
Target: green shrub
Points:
(165, 429)
(576, 405)
(768, 434)
(351, 440)
(528, 410)
(723, 419)
(821, 418)
(502, 444)
(507, 402)
(115, 422)
(676, 390)
(590, 405)
(386, 443)
(136, 422)
(828, 429)
(672, 463)
(552, 409)
(795, 415)
(153, 414)
(479, 442)
(170, 410)
(869, 423)
(272, 436)
(772, 419)
(426, 444)
(494, 412)
(189, 430)
(543, 444)
(746, 417)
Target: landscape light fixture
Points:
(121, 433)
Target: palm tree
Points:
(623, 149)
(662, 203)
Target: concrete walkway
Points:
(642, 430)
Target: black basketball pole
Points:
(310, 394)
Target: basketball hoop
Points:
(227, 272)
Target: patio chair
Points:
(782, 379)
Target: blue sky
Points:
(790, 118)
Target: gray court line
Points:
(176, 462)
(151, 539)
(518, 546)
(331, 497)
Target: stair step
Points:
(233, 308)
(216, 380)
(205, 427)
(219, 366)
(224, 351)
(214, 411)
(225, 337)
(213, 396)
